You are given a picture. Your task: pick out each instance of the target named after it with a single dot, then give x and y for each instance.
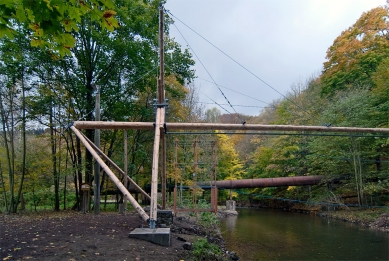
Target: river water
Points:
(266, 234)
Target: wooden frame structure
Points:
(160, 127)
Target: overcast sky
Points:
(279, 41)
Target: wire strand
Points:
(207, 72)
(253, 74)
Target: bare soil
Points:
(75, 236)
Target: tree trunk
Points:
(54, 162)
(8, 154)
(24, 146)
(3, 188)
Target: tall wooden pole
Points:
(159, 123)
(97, 166)
(154, 171)
(161, 100)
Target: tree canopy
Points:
(51, 22)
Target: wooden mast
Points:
(161, 100)
(159, 135)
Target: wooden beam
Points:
(160, 118)
(125, 167)
(218, 126)
(106, 125)
(109, 172)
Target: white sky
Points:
(280, 41)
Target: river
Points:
(267, 234)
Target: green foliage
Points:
(203, 250)
(52, 21)
(209, 221)
(229, 164)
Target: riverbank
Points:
(374, 218)
(70, 235)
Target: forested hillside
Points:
(48, 80)
(351, 91)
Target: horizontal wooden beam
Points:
(218, 126)
(113, 125)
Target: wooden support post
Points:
(195, 159)
(216, 196)
(97, 143)
(125, 168)
(110, 174)
(161, 100)
(163, 170)
(154, 172)
(175, 201)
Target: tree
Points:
(52, 21)
(14, 73)
(357, 52)
(213, 115)
(229, 165)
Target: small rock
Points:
(233, 256)
(181, 239)
(187, 246)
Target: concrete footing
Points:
(160, 236)
(230, 208)
(231, 205)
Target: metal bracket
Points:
(152, 223)
(161, 105)
(164, 128)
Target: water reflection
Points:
(277, 235)
(230, 223)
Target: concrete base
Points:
(160, 236)
(230, 205)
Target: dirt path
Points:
(75, 236)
